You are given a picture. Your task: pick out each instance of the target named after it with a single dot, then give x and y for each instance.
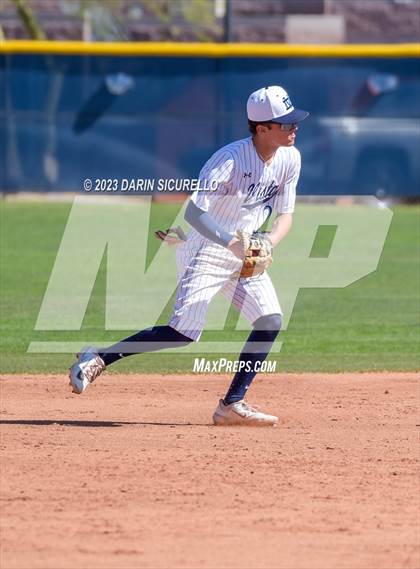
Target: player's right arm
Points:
(215, 176)
(206, 225)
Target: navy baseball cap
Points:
(273, 104)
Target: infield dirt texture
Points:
(133, 474)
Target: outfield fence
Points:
(74, 111)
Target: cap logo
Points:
(287, 102)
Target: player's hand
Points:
(258, 253)
(172, 236)
(236, 247)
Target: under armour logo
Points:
(247, 174)
(287, 102)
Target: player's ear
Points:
(263, 128)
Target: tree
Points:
(29, 20)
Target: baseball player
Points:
(251, 179)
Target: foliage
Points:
(29, 20)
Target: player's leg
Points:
(157, 337)
(257, 300)
(255, 351)
(205, 274)
(199, 283)
(149, 340)
(91, 362)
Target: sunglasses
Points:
(287, 127)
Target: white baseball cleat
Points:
(87, 368)
(240, 413)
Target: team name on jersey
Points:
(260, 192)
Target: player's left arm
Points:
(280, 228)
(285, 202)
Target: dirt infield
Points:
(132, 474)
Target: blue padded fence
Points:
(65, 118)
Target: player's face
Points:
(282, 135)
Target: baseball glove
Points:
(172, 236)
(258, 252)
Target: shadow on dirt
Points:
(66, 423)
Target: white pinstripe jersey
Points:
(248, 190)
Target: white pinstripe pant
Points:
(203, 271)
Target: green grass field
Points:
(369, 325)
